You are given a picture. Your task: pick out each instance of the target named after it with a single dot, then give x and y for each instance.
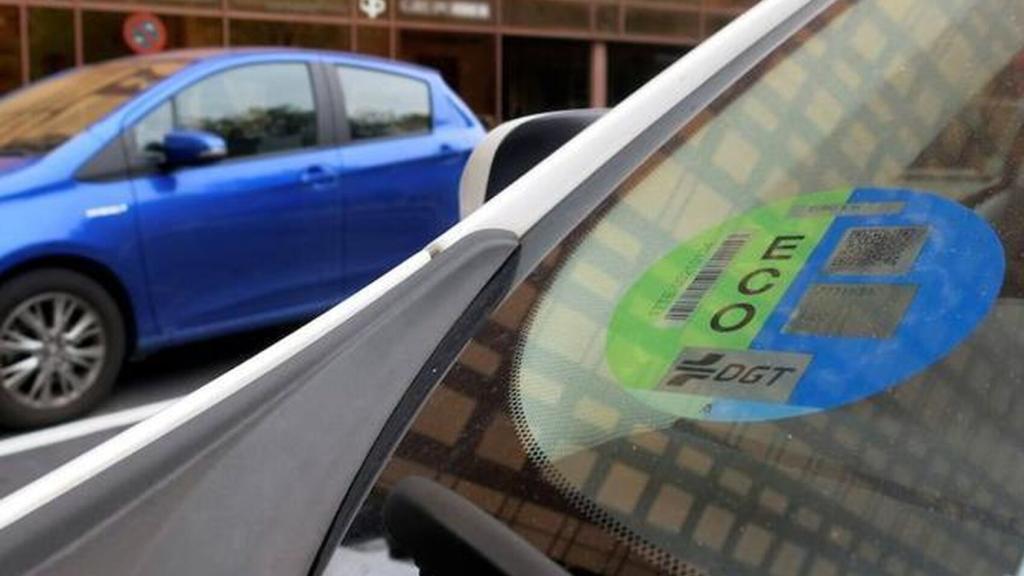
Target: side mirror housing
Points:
(193, 147)
(515, 147)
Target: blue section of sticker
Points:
(897, 282)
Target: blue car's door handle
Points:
(318, 176)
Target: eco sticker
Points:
(805, 304)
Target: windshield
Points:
(790, 342)
(43, 116)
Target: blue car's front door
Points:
(253, 238)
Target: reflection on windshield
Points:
(43, 116)
(890, 134)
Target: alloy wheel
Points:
(52, 350)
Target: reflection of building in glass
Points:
(918, 482)
(505, 57)
(61, 109)
(925, 479)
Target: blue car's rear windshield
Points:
(45, 115)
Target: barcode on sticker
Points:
(686, 304)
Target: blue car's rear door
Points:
(253, 238)
(399, 171)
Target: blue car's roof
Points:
(201, 55)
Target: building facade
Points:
(506, 57)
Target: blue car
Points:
(152, 201)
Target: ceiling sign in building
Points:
(460, 9)
(373, 8)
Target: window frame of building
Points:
(14, 20)
(605, 22)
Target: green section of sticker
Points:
(716, 290)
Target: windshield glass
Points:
(790, 342)
(43, 116)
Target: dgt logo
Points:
(741, 374)
(711, 367)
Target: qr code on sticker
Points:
(878, 250)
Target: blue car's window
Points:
(148, 135)
(258, 109)
(45, 115)
(789, 343)
(378, 104)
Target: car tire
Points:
(62, 344)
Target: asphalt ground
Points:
(145, 387)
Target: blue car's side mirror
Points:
(192, 147)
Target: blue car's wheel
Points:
(62, 341)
